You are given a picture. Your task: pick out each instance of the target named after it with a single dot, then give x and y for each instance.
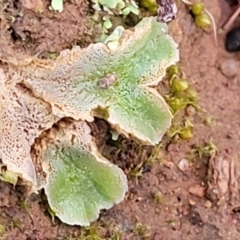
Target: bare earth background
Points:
(159, 204)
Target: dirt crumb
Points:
(197, 190)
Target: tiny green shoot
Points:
(25, 206)
(182, 95)
(52, 214)
(8, 176)
(209, 149)
(2, 229)
(156, 154)
(137, 172)
(92, 232)
(203, 18)
(157, 196)
(141, 230)
(185, 132)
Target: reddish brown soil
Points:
(159, 205)
(32, 27)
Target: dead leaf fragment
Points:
(222, 179)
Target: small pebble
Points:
(183, 165)
(191, 202)
(197, 190)
(229, 68)
(207, 204)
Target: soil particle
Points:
(207, 204)
(191, 202)
(229, 67)
(183, 165)
(197, 190)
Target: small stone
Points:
(168, 164)
(197, 190)
(191, 202)
(229, 68)
(183, 165)
(207, 204)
